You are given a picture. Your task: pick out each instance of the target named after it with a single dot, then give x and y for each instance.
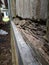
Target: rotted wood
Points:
(37, 53)
(35, 32)
(27, 59)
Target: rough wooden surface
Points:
(32, 8)
(35, 40)
(14, 50)
(26, 56)
(48, 23)
(13, 8)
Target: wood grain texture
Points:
(36, 9)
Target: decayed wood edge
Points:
(40, 57)
(22, 58)
(38, 52)
(16, 58)
(13, 48)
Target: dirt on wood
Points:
(34, 32)
(5, 46)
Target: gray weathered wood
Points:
(24, 50)
(43, 11)
(47, 35)
(32, 8)
(13, 7)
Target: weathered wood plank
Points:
(32, 8)
(13, 7)
(14, 50)
(24, 50)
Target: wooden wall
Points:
(32, 8)
(13, 7)
(47, 35)
(36, 9)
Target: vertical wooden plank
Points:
(26, 9)
(18, 7)
(47, 35)
(38, 9)
(32, 9)
(21, 7)
(43, 11)
(13, 7)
